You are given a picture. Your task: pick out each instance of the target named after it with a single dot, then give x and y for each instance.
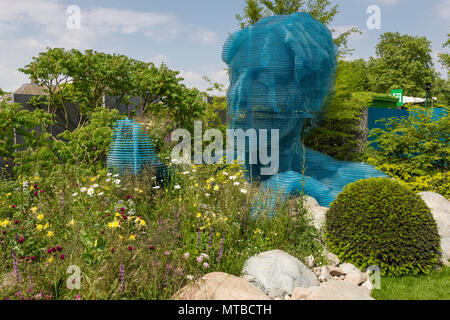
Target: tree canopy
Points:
(401, 61)
(85, 79)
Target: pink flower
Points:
(199, 258)
(167, 253)
(62, 257)
(186, 255)
(206, 265)
(77, 297)
(130, 248)
(13, 206)
(21, 240)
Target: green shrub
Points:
(380, 222)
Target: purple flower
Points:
(221, 249)
(122, 277)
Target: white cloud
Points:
(443, 9)
(194, 79)
(27, 27)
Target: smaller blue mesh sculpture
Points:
(132, 149)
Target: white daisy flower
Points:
(207, 195)
(156, 187)
(108, 180)
(177, 187)
(101, 193)
(90, 191)
(244, 191)
(190, 277)
(95, 186)
(75, 194)
(83, 189)
(117, 181)
(233, 178)
(109, 174)
(236, 183)
(116, 175)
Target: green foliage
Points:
(419, 143)
(255, 10)
(441, 90)
(444, 57)
(435, 286)
(161, 238)
(86, 78)
(380, 222)
(402, 61)
(340, 134)
(415, 150)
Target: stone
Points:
(324, 274)
(310, 261)
(220, 286)
(277, 273)
(348, 268)
(356, 277)
(331, 257)
(336, 271)
(440, 208)
(300, 293)
(316, 212)
(368, 285)
(339, 290)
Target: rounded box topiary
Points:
(380, 222)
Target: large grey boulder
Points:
(277, 273)
(440, 208)
(339, 290)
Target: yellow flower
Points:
(132, 237)
(40, 216)
(199, 215)
(217, 234)
(5, 223)
(120, 237)
(216, 188)
(45, 226)
(36, 178)
(50, 234)
(95, 244)
(8, 194)
(39, 227)
(50, 260)
(33, 210)
(114, 224)
(72, 222)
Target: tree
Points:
(401, 62)
(441, 90)
(86, 79)
(351, 76)
(2, 92)
(255, 10)
(444, 58)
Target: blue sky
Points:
(187, 34)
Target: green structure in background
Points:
(398, 93)
(384, 101)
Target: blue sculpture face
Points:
(281, 70)
(281, 64)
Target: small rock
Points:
(356, 277)
(287, 297)
(336, 271)
(368, 284)
(335, 277)
(324, 274)
(342, 277)
(310, 261)
(300, 293)
(331, 257)
(348, 268)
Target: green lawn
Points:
(435, 286)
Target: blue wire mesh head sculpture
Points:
(132, 149)
(282, 72)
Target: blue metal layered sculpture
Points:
(132, 149)
(282, 72)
